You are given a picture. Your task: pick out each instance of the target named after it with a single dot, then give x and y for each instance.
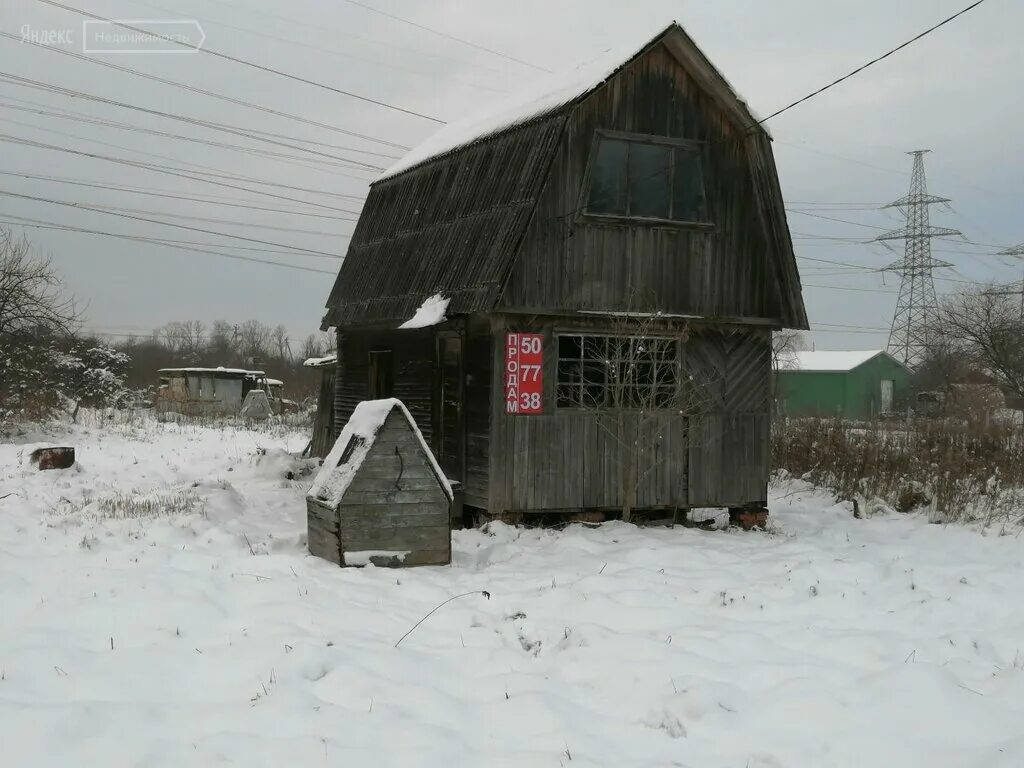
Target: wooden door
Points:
(887, 387)
(450, 438)
(380, 374)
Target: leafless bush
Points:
(636, 383)
(984, 328)
(956, 471)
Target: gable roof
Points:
(829, 360)
(549, 94)
(343, 462)
(442, 221)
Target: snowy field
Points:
(158, 608)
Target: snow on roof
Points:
(320, 362)
(275, 383)
(219, 370)
(827, 360)
(547, 95)
(369, 416)
(431, 312)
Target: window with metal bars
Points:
(617, 372)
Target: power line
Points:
(858, 327)
(848, 288)
(230, 222)
(840, 263)
(336, 29)
(29, 83)
(444, 35)
(833, 218)
(83, 207)
(759, 123)
(219, 96)
(151, 193)
(861, 68)
(815, 329)
(254, 65)
(171, 171)
(235, 256)
(809, 96)
(44, 224)
(302, 162)
(338, 53)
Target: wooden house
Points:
(574, 295)
(380, 496)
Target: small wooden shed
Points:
(380, 497)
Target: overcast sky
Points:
(956, 92)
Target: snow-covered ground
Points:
(131, 637)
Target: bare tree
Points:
(222, 340)
(32, 295)
(637, 383)
(984, 328)
(317, 345)
(254, 339)
(186, 338)
(281, 343)
(785, 343)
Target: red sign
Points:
(524, 373)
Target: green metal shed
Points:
(854, 384)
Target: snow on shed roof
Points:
(220, 371)
(547, 95)
(430, 312)
(827, 360)
(369, 416)
(320, 362)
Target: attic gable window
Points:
(646, 177)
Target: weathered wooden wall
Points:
(394, 504)
(477, 410)
(567, 459)
(569, 261)
(416, 383)
(323, 422)
(413, 356)
(729, 443)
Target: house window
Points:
(617, 372)
(381, 374)
(648, 178)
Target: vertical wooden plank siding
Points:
(413, 356)
(323, 422)
(568, 459)
(477, 411)
(573, 262)
(729, 446)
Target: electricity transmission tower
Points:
(1017, 250)
(909, 337)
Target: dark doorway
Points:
(450, 440)
(381, 374)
